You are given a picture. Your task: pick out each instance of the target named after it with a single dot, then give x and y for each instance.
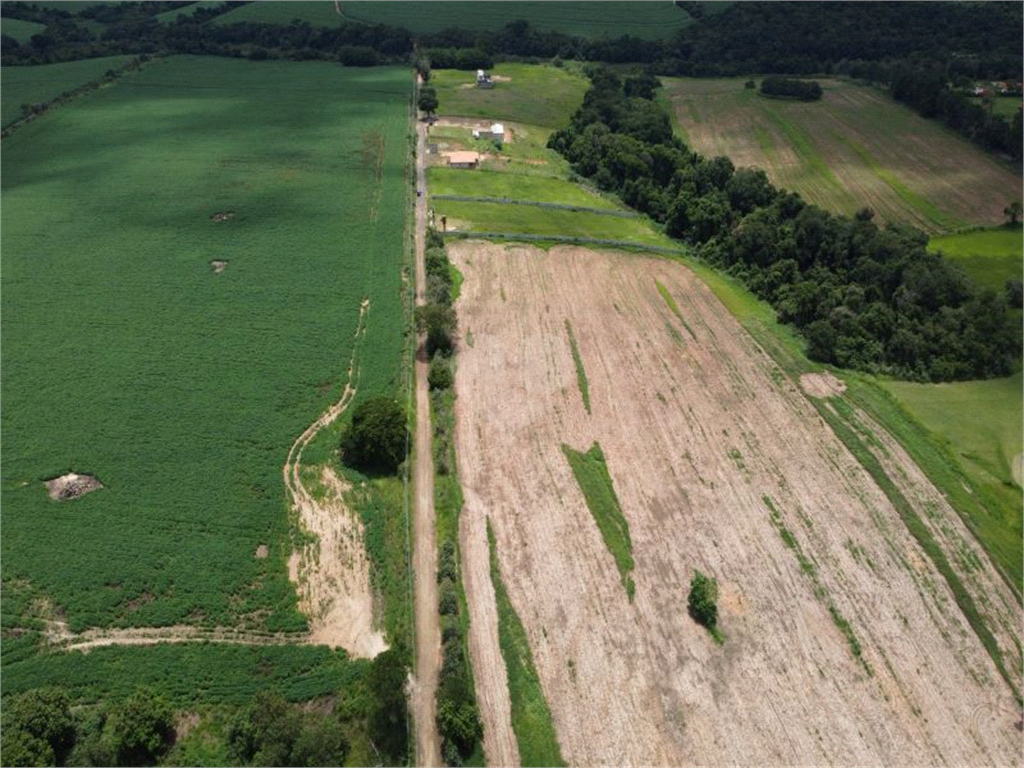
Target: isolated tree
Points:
(388, 721)
(1012, 211)
(702, 601)
(439, 322)
(375, 442)
(428, 100)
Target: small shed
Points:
(483, 79)
(496, 133)
(463, 160)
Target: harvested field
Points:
(843, 644)
(854, 148)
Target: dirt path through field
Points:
(428, 629)
(843, 643)
(332, 574)
(58, 635)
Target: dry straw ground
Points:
(698, 431)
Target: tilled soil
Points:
(700, 431)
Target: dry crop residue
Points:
(332, 574)
(697, 436)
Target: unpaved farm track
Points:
(57, 634)
(428, 625)
(332, 575)
(699, 427)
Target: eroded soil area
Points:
(703, 437)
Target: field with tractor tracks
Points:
(619, 430)
(855, 147)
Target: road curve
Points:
(428, 630)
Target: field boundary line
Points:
(539, 204)
(60, 638)
(570, 239)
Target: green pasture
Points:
(532, 220)
(29, 85)
(541, 95)
(526, 151)
(647, 20)
(980, 421)
(514, 186)
(127, 357)
(21, 31)
(1003, 106)
(990, 256)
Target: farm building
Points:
(463, 160)
(483, 80)
(495, 132)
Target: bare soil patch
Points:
(261, 552)
(222, 216)
(696, 436)
(218, 266)
(332, 573)
(822, 384)
(72, 486)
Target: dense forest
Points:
(865, 297)
(927, 54)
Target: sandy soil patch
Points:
(222, 216)
(822, 384)
(697, 434)
(218, 266)
(72, 486)
(332, 574)
(501, 79)
(261, 552)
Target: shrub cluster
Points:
(703, 599)
(375, 442)
(804, 90)
(864, 297)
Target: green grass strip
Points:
(581, 374)
(591, 473)
(531, 717)
(675, 308)
(919, 530)
(539, 204)
(907, 195)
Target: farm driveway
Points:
(428, 630)
(701, 433)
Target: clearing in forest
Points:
(855, 147)
(843, 641)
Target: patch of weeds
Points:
(469, 339)
(581, 374)
(737, 457)
(591, 474)
(677, 337)
(675, 308)
(531, 716)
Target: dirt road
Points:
(703, 438)
(428, 630)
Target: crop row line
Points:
(557, 206)
(571, 239)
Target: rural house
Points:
(463, 160)
(483, 80)
(496, 132)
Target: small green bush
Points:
(702, 601)
(376, 440)
(440, 374)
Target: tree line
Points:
(917, 50)
(788, 87)
(864, 297)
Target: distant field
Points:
(20, 30)
(1003, 106)
(989, 256)
(27, 85)
(854, 148)
(187, 10)
(537, 95)
(480, 183)
(647, 20)
(125, 355)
